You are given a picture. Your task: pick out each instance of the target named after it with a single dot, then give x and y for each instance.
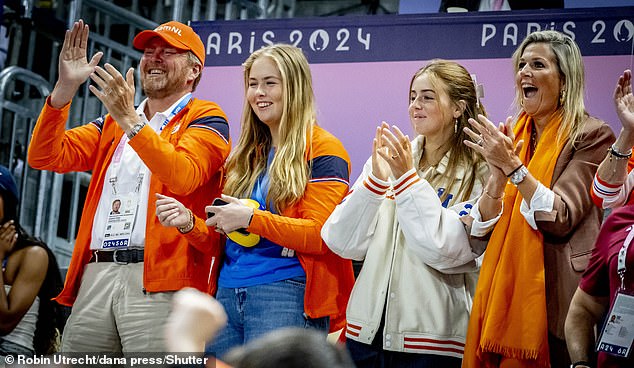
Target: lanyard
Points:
(262, 185)
(622, 254)
(116, 158)
(176, 110)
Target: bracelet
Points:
(486, 192)
(190, 224)
(619, 155)
(513, 172)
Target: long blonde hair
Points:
(455, 80)
(571, 70)
(289, 171)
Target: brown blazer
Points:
(572, 227)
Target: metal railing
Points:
(22, 93)
(51, 204)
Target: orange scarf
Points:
(508, 319)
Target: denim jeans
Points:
(255, 310)
(9, 348)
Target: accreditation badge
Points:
(120, 222)
(617, 334)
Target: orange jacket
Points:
(186, 162)
(329, 278)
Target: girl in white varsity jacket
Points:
(406, 218)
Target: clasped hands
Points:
(391, 152)
(495, 144)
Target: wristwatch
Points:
(519, 175)
(136, 128)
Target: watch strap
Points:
(519, 175)
(136, 128)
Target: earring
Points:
(562, 97)
(455, 127)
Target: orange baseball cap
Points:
(176, 34)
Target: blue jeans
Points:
(10, 348)
(255, 310)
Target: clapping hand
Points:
(495, 144)
(74, 68)
(380, 168)
(116, 94)
(624, 101)
(394, 148)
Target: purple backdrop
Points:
(355, 93)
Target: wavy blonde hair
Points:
(454, 80)
(571, 71)
(289, 171)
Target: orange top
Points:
(329, 278)
(511, 287)
(186, 162)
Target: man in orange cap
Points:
(125, 267)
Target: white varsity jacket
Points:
(418, 265)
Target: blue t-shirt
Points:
(264, 263)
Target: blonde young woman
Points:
(404, 218)
(546, 231)
(296, 172)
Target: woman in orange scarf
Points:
(539, 195)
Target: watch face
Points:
(519, 175)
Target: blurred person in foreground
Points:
(197, 317)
